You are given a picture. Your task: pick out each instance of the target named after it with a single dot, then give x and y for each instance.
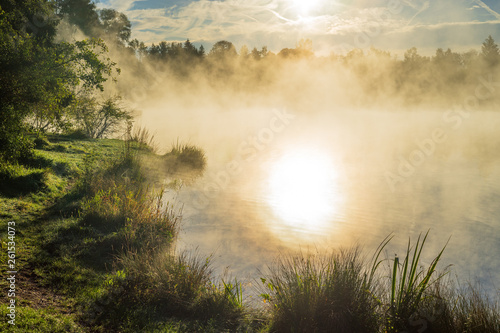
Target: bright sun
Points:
(302, 189)
(304, 7)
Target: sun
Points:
(302, 188)
(304, 7)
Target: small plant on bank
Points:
(186, 155)
(409, 284)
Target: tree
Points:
(490, 52)
(38, 73)
(201, 51)
(244, 52)
(257, 55)
(98, 120)
(81, 13)
(223, 50)
(116, 25)
(305, 48)
(189, 49)
(27, 29)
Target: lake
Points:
(284, 181)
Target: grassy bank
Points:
(95, 243)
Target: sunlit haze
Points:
(303, 189)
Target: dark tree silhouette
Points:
(81, 13)
(116, 25)
(223, 50)
(490, 52)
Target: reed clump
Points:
(342, 292)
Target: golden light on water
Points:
(303, 189)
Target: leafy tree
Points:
(26, 30)
(81, 13)
(39, 74)
(100, 119)
(223, 50)
(257, 55)
(305, 48)
(116, 25)
(190, 50)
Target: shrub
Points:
(97, 120)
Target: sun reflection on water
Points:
(303, 190)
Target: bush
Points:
(98, 120)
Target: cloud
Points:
(488, 9)
(424, 6)
(278, 24)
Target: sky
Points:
(333, 25)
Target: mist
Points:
(413, 141)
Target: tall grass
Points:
(143, 137)
(144, 219)
(316, 293)
(409, 283)
(339, 292)
(166, 286)
(465, 309)
(186, 155)
(146, 271)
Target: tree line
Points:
(48, 84)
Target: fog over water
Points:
(389, 172)
(319, 153)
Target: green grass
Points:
(40, 320)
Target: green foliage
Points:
(234, 292)
(81, 13)
(143, 138)
(98, 120)
(115, 25)
(39, 76)
(167, 286)
(146, 220)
